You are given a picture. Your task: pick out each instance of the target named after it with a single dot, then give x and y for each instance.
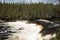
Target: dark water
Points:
(57, 20)
(5, 31)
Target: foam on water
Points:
(30, 31)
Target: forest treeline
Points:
(41, 10)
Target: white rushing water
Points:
(29, 31)
(26, 31)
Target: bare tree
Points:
(30, 1)
(23, 1)
(59, 1)
(4, 1)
